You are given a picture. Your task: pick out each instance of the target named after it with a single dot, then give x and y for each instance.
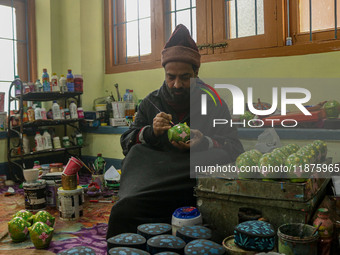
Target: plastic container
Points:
(70, 81)
(39, 143)
(129, 104)
(73, 110)
(43, 114)
(80, 113)
(67, 113)
(37, 113)
(30, 114)
(46, 81)
(35, 195)
(62, 113)
(71, 203)
(78, 83)
(63, 83)
(185, 216)
(47, 140)
(31, 86)
(66, 141)
(56, 111)
(26, 88)
(79, 139)
(17, 85)
(54, 83)
(38, 87)
(56, 142)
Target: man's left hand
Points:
(196, 139)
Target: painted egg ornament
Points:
(26, 215)
(294, 163)
(18, 229)
(291, 148)
(44, 217)
(268, 161)
(41, 235)
(332, 109)
(179, 133)
(321, 146)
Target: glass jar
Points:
(56, 167)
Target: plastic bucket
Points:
(71, 203)
(51, 192)
(297, 239)
(35, 195)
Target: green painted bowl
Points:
(43, 216)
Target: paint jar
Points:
(71, 203)
(80, 113)
(56, 142)
(35, 195)
(66, 141)
(69, 182)
(51, 191)
(56, 167)
(185, 216)
(79, 139)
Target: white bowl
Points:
(31, 175)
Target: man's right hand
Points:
(161, 123)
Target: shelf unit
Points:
(16, 132)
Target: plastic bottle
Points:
(39, 143)
(56, 142)
(70, 81)
(43, 114)
(62, 83)
(30, 114)
(17, 84)
(37, 113)
(73, 110)
(126, 99)
(27, 88)
(38, 87)
(36, 165)
(54, 83)
(133, 102)
(78, 83)
(26, 144)
(56, 111)
(99, 164)
(46, 81)
(47, 140)
(62, 113)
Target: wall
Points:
(70, 34)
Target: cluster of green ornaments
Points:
(292, 156)
(38, 226)
(179, 133)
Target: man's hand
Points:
(161, 123)
(196, 138)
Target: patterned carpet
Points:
(89, 230)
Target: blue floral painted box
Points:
(255, 235)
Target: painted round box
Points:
(255, 235)
(154, 229)
(167, 253)
(127, 251)
(202, 246)
(43, 216)
(41, 235)
(165, 243)
(129, 240)
(18, 229)
(26, 215)
(190, 233)
(78, 250)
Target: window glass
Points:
(322, 15)
(244, 18)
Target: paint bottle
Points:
(62, 83)
(17, 85)
(47, 140)
(56, 111)
(56, 142)
(39, 143)
(37, 113)
(30, 114)
(54, 83)
(66, 141)
(43, 114)
(99, 164)
(70, 81)
(73, 110)
(38, 87)
(46, 81)
(78, 83)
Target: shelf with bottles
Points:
(34, 153)
(47, 96)
(48, 122)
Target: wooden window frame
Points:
(211, 30)
(24, 66)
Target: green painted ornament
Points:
(41, 235)
(26, 215)
(44, 217)
(18, 229)
(179, 133)
(270, 161)
(291, 148)
(332, 109)
(321, 146)
(296, 163)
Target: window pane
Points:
(132, 38)
(6, 60)
(183, 17)
(322, 15)
(145, 36)
(6, 22)
(241, 18)
(180, 4)
(131, 10)
(144, 8)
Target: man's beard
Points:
(179, 95)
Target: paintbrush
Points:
(158, 110)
